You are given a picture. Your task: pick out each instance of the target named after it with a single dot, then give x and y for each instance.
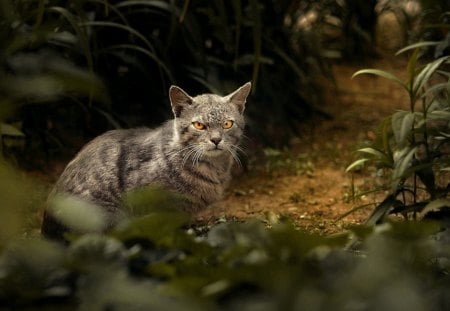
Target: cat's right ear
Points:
(179, 100)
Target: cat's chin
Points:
(215, 152)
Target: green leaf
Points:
(356, 164)
(440, 114)
(397, 124)
(77, 214)
(411, 73)
(9, 130)
(425, 74)
(418, 46)
(406, 129)
(379, 155)
(381, 73)
(434, 90)
(402, 164)
(162, 228)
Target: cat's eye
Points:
(227, 124)
(198, 125)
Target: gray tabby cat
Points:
(191, 154)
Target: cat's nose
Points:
(216, 140)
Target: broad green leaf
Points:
(381, 73)
(440, 114)
(406, 129)
(402, 165)
(77, 214)
(396, 124)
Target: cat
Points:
(191, 155)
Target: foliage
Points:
(154, 263)
(413, 145)
(108, 64)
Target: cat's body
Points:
(191, 155)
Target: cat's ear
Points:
(239, 97)
(179, 100)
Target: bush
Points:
(413, 146)
(155, 263)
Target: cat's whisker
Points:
(234, 155)
(199, 153)
(191, 152)
(238, 149)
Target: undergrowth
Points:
(158, 262)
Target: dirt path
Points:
(308, 183)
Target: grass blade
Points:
(81, 34)
(381, 73)
(129, 29)
(417, 45)
(146, 52)
(356, 164)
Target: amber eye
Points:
(227, 124)
(198, 125)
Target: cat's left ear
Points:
(179, 100)
(239, 97)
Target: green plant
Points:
(134, 47)
(154, 263)
(413, 145)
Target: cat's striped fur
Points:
(191, 155)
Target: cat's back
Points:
(97, 172)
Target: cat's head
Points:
(209, 125)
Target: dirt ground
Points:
(308, 182)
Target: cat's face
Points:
(209, 125)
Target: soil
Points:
(307, 182)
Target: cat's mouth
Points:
(216, 150)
